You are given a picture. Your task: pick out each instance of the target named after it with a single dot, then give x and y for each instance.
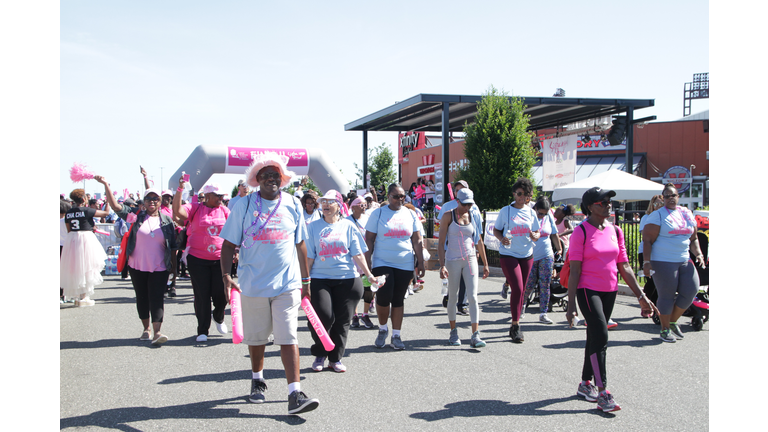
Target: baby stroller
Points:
(699, 310)
(558, 294)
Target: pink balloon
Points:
(237, 317)
(316, 324)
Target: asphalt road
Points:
(111, 380)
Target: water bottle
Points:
(444, 292)
(508, 234)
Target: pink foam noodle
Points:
(700, 304)
(317, 325)
(237, 317)
(98, 231)
(79, 172)
(450, 190)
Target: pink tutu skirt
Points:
(82, 260)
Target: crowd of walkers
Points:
(276, 249)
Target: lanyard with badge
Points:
(250, 232)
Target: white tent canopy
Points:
(628, 187)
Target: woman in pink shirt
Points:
(203, 256)
(151, 250)
(596, 251)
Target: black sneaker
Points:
(516, 334)
(257, 391)
(172, 292)
(462, 311)
(299, 403)
(355, 322)
(366, 322)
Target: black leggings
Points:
(150, 290)
(596, 308)
(394, 289)
(207, 285)
(650, 285)
(334, 301)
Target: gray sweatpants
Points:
(455, 271)
(674, 278)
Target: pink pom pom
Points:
(131, 218)
(79, 172)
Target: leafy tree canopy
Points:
(498, 148)
(381, 167)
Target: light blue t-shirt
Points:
(520, 222)
(332, 247)
(308, 219)
(393, 229)
(234, 200)
(359, 223)
(543, 247)
(675, 230)
(643, 221)
(452, 204)
(269, 263)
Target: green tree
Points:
(498, 148)
(381, 167)
(306, 184)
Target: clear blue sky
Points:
(146, 82)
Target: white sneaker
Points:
(543, 318)
(222, 328)
(202, 338)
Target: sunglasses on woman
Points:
(398, 196)
(671, 196)
(604, 203)
(153, 199)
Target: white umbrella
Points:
(628, 187)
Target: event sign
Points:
(490, 241)
(241, 157)
(680, 177)
(559, 161)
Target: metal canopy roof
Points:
(423, 112)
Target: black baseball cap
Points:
(594, 195)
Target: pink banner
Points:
(241, 157)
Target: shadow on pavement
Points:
(119, 418)
(483, 408)
(222, 377)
